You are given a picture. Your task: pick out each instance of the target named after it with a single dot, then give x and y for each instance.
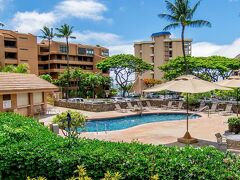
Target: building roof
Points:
(160, 34)
(144, 42)
(16, 82)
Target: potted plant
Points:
(231, 122)
(234, 124)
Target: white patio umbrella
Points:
(191, 85)
(232, 82)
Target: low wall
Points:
(103, 107)
(111, 107)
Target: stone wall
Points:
(103, 107)
(111, 107)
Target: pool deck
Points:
(203, 128)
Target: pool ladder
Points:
(105, 125)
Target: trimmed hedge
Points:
(29, 149)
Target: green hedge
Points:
(29, 149)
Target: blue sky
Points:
(118, 23)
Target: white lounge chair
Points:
(202, 107)
(228, 110)
(119, 109)
(150, 106)
(168, 106)
(140, 105)
(213, 108)
(179, 106)
(133, 108)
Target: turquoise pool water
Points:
(114, 124)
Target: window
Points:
(82, 51)
(22, 99)
(37, 98)
(90, 52)
(105, 53)
(63, 49)
(170, 54)
(10, 55)
(10, 44)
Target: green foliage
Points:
(47, 77)
(234, 121)
(21, 68)
(41, 153)
(90, 84)
(78, 121)
(124, 67)
(193, 99)
(81, 174)
(39, 178)
(112, 176)
(211, 68)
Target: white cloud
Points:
(210, 49)
(85, 9)
(121, 49)
(97, 37)
(31, 22)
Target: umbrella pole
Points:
(237, 101)
(187, 112)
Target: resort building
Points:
(161, 49)
(82, 56)
(17, 48)
(25, 94)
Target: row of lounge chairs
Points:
(140, 107)
(202, 108)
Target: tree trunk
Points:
(68, 73)
(183, 50)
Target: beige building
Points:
(17, 48)
(159, 51)
(25, 94)
(83, 56)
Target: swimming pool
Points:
(113, 124)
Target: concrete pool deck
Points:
(203, 128)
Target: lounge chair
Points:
(168, 106)
(179, 106)
(228, 110)
(133, 108)
(119, 109)
(202, 107)
(140, 105)
(150, 106)
(213, 108)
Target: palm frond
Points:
(193, 10)
(168, 17)
(199, 23)
(172, 26)
(171, 7)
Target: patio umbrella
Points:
(187, 84)
(232, 82)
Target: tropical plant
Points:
(70, 122)
(181, 15)
(81, 174)
(125, 67)
(112, 176)
(65, 31)
(21, 68)
(213, 68)
(47, 77)
(48, 34)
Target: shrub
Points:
(38, 152)
(78, 120)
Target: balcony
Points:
(151, 46)
(151, 55)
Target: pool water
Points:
(113, 124)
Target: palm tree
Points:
(48, 34)
(65, 31)
(181, 15)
